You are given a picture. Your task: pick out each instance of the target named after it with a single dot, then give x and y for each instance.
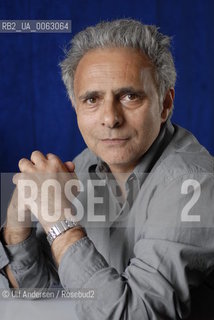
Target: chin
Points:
(118, 162)
(117, 157)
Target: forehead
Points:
(110, 66)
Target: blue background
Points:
(35, 112)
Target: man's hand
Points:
(48, 177)
(51, 167)
(39, 168)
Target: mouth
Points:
(115, 141)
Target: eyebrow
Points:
(126, 90)
(117, 93)
(90, 94)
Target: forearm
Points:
(149, 288)
(15, 237)
(11, 277)
(12, 235)
(29, 266)
(83, 268)
(65, 240)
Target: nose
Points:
(112, 115)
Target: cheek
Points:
(86, 125)
(83, 126)
(139, 120)
(146, 124)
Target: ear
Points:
(167, 104)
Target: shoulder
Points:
(184, 155)
(176, 198)
(184, 172)
(84, 160)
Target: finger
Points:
(26, 165)
(37, 157)
(70, 166)
(17, 177)
(56, 161)
(50, 156)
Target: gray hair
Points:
(122, 33)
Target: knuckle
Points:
(35, 152)
(50, 154)
(41, 161)
(36, 155)
(38, 159)
(55, 161)
(25, 165)
(21, 162)
(16, 177)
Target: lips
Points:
(114, 141)
(116, 138)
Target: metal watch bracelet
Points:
(58, 228)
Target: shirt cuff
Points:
(24, 253)
(78, 264)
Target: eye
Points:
(132, 99)
(91, 100)
(131, 96)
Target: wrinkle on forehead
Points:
(104, 66)
(111, 70)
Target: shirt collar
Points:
(148, 159)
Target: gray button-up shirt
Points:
(152, 252)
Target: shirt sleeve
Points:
(30, 265)
(3, 262)
(171, 256)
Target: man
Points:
(153, 242)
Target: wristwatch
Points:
(58, 228)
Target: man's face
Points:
(117, 105)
